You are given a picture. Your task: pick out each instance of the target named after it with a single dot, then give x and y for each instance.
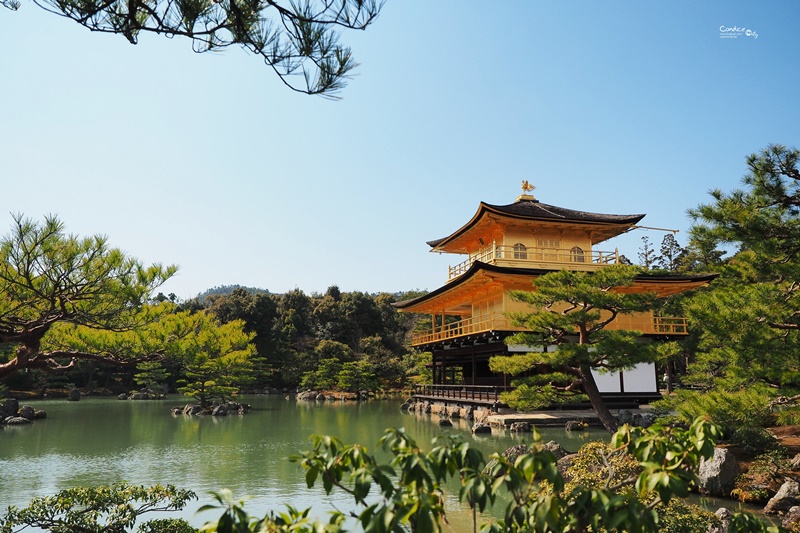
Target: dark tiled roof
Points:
(535, 210)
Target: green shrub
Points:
(730, 410)
(788, 416)
(680, 516)
(167, 525)
(590, 467)
(324, 376)
(754, 439)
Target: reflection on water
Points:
(102, 441)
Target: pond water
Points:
(102, 441)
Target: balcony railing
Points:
(558, 258)
(475, 393)
(648, 325)
(670, 325)
(467, 326)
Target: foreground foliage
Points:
(635, 483)
(113, 509)
(408, 493)
(598, 464)
(299, 40)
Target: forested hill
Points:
(227, 289)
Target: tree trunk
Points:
(670, 376)
(598, 403)
(27, 349)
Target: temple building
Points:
(505, 248)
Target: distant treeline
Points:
(295, 333)
(336, 340)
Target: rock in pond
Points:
(787, 497)
(481, 428)
(718, 475)
(575, 425)
(556, 449)
(9, 407)
(520, 427)
(791, 519)
(724, 516)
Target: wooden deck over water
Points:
(489, 395)
(547, 418)
(555, 418)
(469, 394)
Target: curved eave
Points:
(474, 270)
(646, 276)
(617, 224)
(669, 284)
(661, 284)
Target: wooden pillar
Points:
(474, 365)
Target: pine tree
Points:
(572, 311)
(672, 254)
(647, 254)
(298, 40)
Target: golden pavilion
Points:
(505, 248)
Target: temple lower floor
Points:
(461, 373)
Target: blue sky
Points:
(207, 161)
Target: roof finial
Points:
(526, 189)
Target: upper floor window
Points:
(520, 251)
(576, 254)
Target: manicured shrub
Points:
(680, 516)
(167, 525)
